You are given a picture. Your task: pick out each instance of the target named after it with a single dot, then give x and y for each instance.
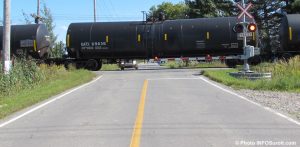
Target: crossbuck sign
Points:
(244, 11)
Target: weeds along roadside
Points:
(194, 64)
(29, 83)
(285, 76)
(26, 74)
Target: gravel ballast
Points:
(285, 102)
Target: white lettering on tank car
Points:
(93, 45)
(84, 44)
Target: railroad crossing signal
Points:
(239, 27)
(244, 11)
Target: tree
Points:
(210, 8)
(268, 14)
(47, 19)
(27, 18)
(58, 49)
(296, 6)
(292, 6)
(171, 11)
(288, 6)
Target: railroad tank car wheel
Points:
(93, 64)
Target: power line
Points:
(113, 8)
(95, 19)
(105, 8)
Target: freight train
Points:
(289, 36)
(30, 40)
(88, 44)
(163, 39)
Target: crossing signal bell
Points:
(239, 28)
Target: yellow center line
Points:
(137, 131)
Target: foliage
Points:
(109, 67)
(210, 8)
(171, 11)
(27, 18)
(292, 6)
(285, 77)
(47, 18)
(268, 15)
(58, 49)
(296, 6)
(194, 64)
(29, 83)
(24, 74)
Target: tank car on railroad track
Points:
(163, 39)
(31, 40)
(88, 44)
(289, 36)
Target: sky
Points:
(67, 11)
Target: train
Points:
(289, 36)
(31, 40)
(89, 44)
(162, 39)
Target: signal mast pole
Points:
(6, 37)
(246, 65)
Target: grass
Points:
(110, 67)
(48, 81)
(285, 77)
(194, 64)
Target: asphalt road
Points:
(149, 108)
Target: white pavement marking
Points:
(46, 103)
(156, 79)
(257, 104)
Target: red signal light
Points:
(238, 28)
(252, 27)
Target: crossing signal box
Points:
(239, 28)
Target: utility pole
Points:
(37, 19)
(143, 15)
(6, 37)
(95, 19)
(38, 8)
